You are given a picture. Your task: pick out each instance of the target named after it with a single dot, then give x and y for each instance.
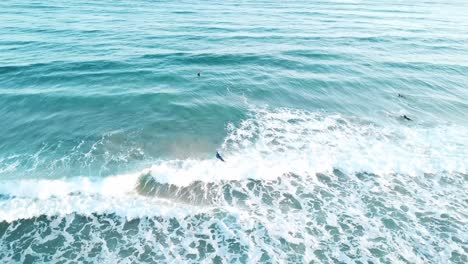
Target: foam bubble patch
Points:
(296, 186)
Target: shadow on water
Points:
(197, 193)
(231, 193)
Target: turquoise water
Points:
(108, 135)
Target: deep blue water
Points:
(108, 135)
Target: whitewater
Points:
(108, 135)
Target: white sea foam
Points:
(294, 184)
(271, 144)
(264, 147)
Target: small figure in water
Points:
(401, 96)
(407, 118)
(199, 74)
(218, 156)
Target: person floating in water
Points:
(407, 118)
(401, 96)
(218, 156)
(199, 74)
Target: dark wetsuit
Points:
(219, 157)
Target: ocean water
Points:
(108, 136)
